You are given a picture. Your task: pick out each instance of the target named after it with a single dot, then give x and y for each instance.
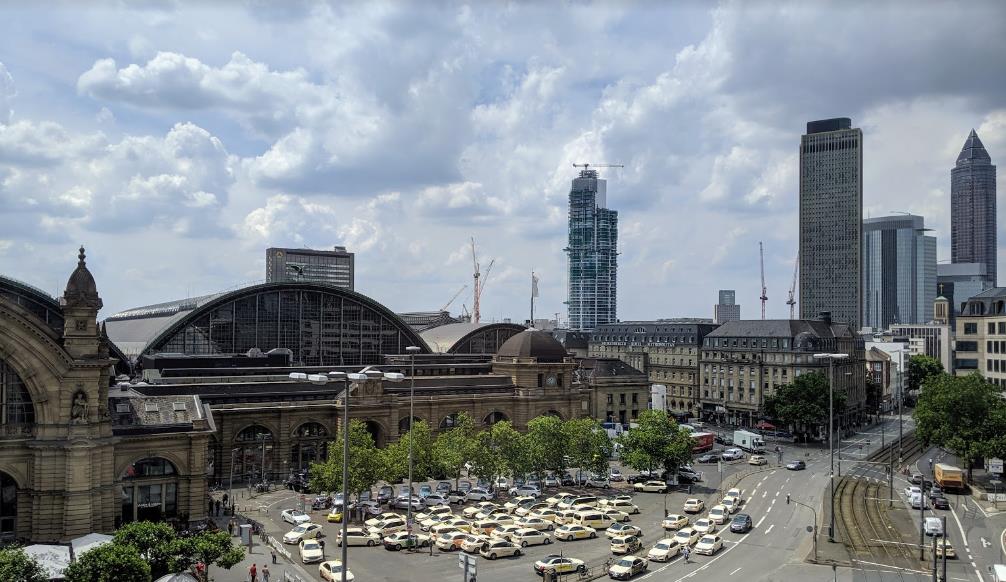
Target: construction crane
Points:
(479, 284)
(448, 304)
(589, 166)
(792, 289)
(764, 291)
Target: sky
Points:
(178, 140)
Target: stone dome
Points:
(533, 343)
(81, 291)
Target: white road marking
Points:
(735, 571)
(961, 528)
(769, 528)
(722, 553)
(759, 521)
(764, 494)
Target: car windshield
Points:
(299, 529)
(311, 545)
(708, 540)
(663, 546)
(625, 562)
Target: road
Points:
(773, 551)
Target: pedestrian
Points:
(218, 506)
(265, 572)
(230, 527)
(252, 573)
(226, 497)
(930, 463)
(273, 553)
(322, 544)
(210, 502)
(684, 553)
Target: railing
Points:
(17, 431)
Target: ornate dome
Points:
(81, 290)
(533, 343)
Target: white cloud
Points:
(7, 93)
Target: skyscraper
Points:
(727, 308)
(335, 267)
(973, 208)
(831, 220)
(899, 271)
(593, 253)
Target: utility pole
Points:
(922, 522)
(944, 548)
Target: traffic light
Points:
(787, 499)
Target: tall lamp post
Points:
(831, 431)
(412, 351)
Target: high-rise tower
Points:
(973, 208)
(593, 253)
(831, 220)
(899, 271)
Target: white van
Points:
(594, 519)
(916, 501)
(934, 526)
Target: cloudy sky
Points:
(178, 140)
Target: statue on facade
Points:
(78, 411)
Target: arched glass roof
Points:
(470, 338)
(34, 300)
(321, 324)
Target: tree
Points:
(920, 369)
(396, 456)
(963, 414)
(499, 451)
(111, 562)
(657, 441)
(16, 564)
(587, 444)
(155, 541)
(363, 470)
(547, 444)
(211, 548)
(455, 446)
(803, 404)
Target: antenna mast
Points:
(764, 291)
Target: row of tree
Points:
(550, 445)
(139, 552)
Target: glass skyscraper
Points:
(831, 221)
(593, 253)
(973, 208)
(899, 271)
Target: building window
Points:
(992, 328)
(970, 328)
(635, 400)
(621, 399)
(611, 398)
(149, 491)
(541, 380)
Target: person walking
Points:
(685, 552)
(218, 504)
(252, 573)
(230, 527)
(265, 572)
(272, 551)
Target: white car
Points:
(472, 543)
(479, 494)
(627, 567)
(559, 565)
(597, 481)
(455, 523)
(310, 551)
(686, 536)
(572, 532)
(450, 540)
(664, 550)
(912, 490)
(651, 487)
(616, 515)
(526, 536)
(622, 529)
(757, 460)
(736, 493)
(732, 504)
(404, 539)
(505, 532)
(536, 523)
(719, 514)
(625, 544)
(623, 505)
(694, 505)
(525, 491)
(294, 516)
(304, 531)
(512, 505)
(358, 536)
(435, 499)
(704, 526)
(386, 528)
(555, 499)
(485, 507)
(674, 522)
(440, 510)
(383, 517)
(709, 544)
(499, 548)
(331, 571)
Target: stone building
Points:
(75, 459)
(981, 336)
(618, 392)
(744, 362)
(665, 350)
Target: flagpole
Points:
(532, 298)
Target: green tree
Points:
(364, 465)
(111, 562)
(155, 541)
(499, 452)
(657, 442)
(587, 444)
(395, 465)
(15, 564)
(963, 414)
(803, 404)
(455, 446)
(920, 369)
(547, 444)
(211, 548)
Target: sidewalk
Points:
(282, 571)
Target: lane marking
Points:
(961, 528)
(769, 529)
(735, 571)
(759, 521)
(764, 494)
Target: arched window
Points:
(449, 421)
(403, 424)
(308, 446)
(17, 414)
(253, 455)
(494, 417)
(149, 490)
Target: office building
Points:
(899, 271)
(981, 337)
(831, 220)
(727, 308)
(665, 350)
(973, 208)
(593, 253)
(958, 282)
(335, 267)
(744, 362)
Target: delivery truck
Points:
(749, 441)
(703, 441)
(948, 477)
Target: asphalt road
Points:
(773, 551)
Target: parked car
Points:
(651, 487)
(358, 536)
(294, 516)
(331, 571)
(686, 536)
(525, 491)
(321, 502)
(622, 529)
(559, 565)
(709, 544)
(435, 499)
(456, 496)
(551, 481)
(465, 486)
(615, 475)
(694, 505)
(304, 531)
(708, 458)
(664, 550)
(718, 514)
(424, 491)
(310, 551)
(479, 495)
(674, 522)
(796, 466)
(443, 487)
(572, 532)
(757, 460)
(596, 481)
(385, 494)
(566, 480)
(732, 454)
(689, 473)
(399, 540)
(450, 540)
(527, 536)
(741, 523)
(627, 567)
(625, 544)
(497, 548)
(403, 503)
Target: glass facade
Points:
(973, 208)
(37, 302)
(593, 253)
(309, 446)
(321, 327)
(899, 271)
(17, 413)
(149, 491)
(253, 454)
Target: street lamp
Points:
(412, 351)
(831, 430)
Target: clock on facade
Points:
(550, 381)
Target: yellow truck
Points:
(948, 476)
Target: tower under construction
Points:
(592, 252)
